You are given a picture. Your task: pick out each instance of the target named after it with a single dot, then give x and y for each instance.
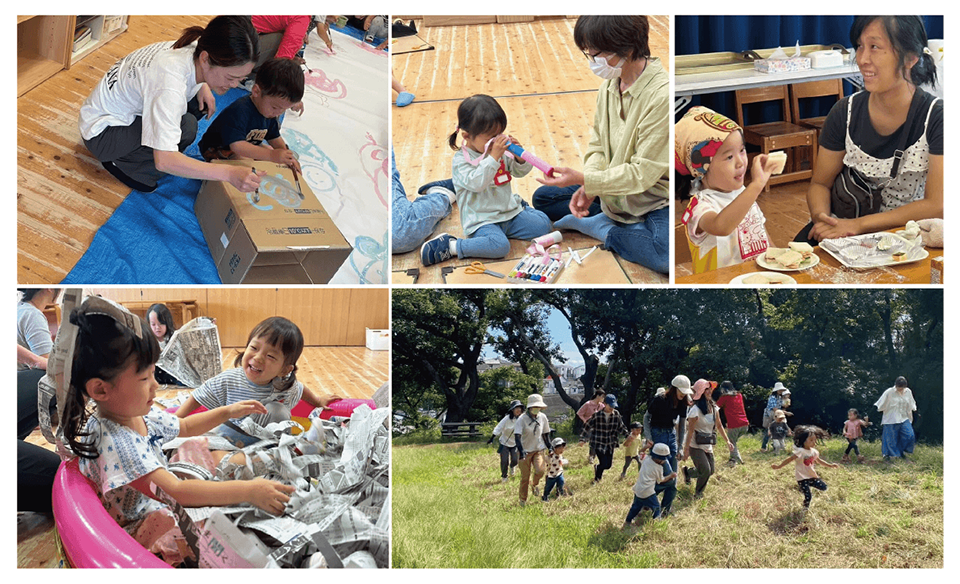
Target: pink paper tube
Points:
(518, 151)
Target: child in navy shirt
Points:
(240, 130)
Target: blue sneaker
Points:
(437, 250)
(405, 98)
(446, 183)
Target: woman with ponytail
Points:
(890, 135)
(143, 114)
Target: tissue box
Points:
(825, 59)
(782, 65)
(281, 239)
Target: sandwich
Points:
(761, 279)
(790, 259)
(801, 247)
(779, 159)
(774, 252)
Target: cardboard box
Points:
(282, 239)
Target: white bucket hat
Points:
(661, 450)
(779, 387)
(535, 400)
(682, 382)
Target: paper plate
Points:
(777, 279)
(807, 263)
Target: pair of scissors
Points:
(479, 268)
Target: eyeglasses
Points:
(591, 58)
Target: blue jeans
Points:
(639, 504)
(668, 437)
(898, 439)
(414, 221)
(548, 486)
(646, 243)
(493, 240)
(555, 201)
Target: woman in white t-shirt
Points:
(508, 450)
(143, 114)
(703, 425)
(897, 405)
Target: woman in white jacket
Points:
(509, 453)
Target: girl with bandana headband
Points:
(724, 224)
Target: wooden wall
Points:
(327, 317)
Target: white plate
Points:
(782, 279)
(807, 263)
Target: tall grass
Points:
(451, 511)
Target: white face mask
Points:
(603, 70)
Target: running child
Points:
(119, 442)
(491, 212)
(724, 224)
(651, 482)
(631, 448)
(555, 466)
(853, 431)
(778, 431)
(265, 371)
(806, 457)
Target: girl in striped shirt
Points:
(265, 371)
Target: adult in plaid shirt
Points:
(603, 429)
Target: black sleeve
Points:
(935, 129)
(834, 133)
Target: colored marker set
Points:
(536, 269)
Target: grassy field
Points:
(450, 510)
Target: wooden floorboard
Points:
(350, 372)
(538, 58)
(63, 194)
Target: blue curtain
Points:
(711, 34)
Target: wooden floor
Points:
(63, 194)
(350, 372)
(785, 208)
(541, 80)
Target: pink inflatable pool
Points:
(92, 539)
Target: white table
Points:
(686, 86)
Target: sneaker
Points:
(590, 460)
(436, 250)
(511, 471)
(845, 458)
(627, 526)
(860, 459)
(536, 491)
(446, 183)
(405, 98)
(544, 499)
(523, 503)
(686, 475)
(504, 479)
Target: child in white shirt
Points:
(724, 224)
(806, 457)
(652, 481)
(555, 466)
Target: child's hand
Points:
(762, 169)
(515, 141)
(326, 400)
(498, 147)
(270, 496)
(297, 108)
(245, 408)
(285, 157)
(562, 177)
(670, 476)
(244, 180)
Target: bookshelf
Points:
(45, 44)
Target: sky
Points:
(560, 333)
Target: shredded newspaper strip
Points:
(339, 515)
(192, 354)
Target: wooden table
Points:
(828, 271)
